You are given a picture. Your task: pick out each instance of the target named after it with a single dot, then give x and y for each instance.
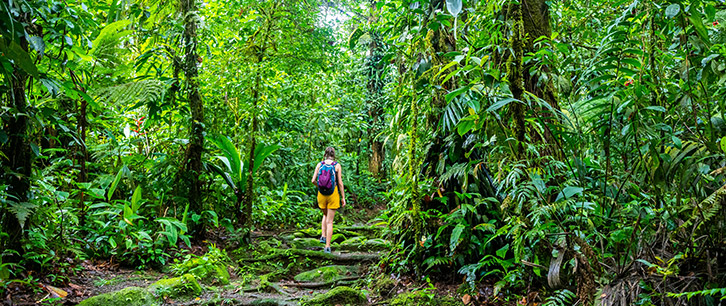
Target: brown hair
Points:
(329, 153)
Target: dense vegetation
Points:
(558, 152)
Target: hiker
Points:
(328, 176)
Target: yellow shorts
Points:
(329, 201)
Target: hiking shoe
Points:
(326, 250)
(322, 239)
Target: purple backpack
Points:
(326, 178)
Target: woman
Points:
(329, 203)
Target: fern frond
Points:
(128, 93)
(560, 298)
(105, 46)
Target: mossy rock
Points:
(130, 296)
(306, 243)
(421, 298)
(358, 240)
(376, 244)
(339, 295)
(177, 287)
(384, 286)
(316, 233)
(326, 274)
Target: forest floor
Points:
(278, 268)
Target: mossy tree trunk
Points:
(374, 71)
(17, 158)
(374, 68)
(530, 21)
(193, 156)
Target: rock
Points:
(354, 241)
(384, 286)
(306, 243)
(326, 274)
(131, 296)
(178, 287)
(339, 295)
(421, 298)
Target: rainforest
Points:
(498, 152)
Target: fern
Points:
(105, 46)
(708, 292)
(132, 92)
(559, 298)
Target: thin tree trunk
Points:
(19, 160)
(375, 111)
(249, 193)
(193, 157)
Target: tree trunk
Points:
(249, 192)
(193, 156)
(375, 111)
(531, 20)
(19, 163)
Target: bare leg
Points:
(329, 224)
(323, 223)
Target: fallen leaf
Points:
(466, 299)
(55, 292)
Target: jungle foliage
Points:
(571, 148)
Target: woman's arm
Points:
(339, 169)
(315, 173)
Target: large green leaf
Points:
(114, 184)
(697, 22)
(20, 57)
(262, 152)
(673, 10)
(232, 157)
(136, 199)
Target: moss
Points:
(423, 298)
(209, 269)
(384, 286)
(183, 286)
(306, 243)
(268, 302)
(207, 272)
(325, 274)
(354, 241)
(338, 295)
(131, 296)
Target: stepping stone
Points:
(327, 274)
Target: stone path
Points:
(288, 268)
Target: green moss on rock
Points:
(325, 274)
(338, 295)
(354, 241)
(422, 298)
(178, 287)
(131, 296)
(384, 286)
(306, 243)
